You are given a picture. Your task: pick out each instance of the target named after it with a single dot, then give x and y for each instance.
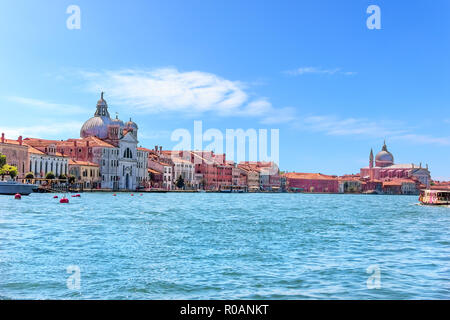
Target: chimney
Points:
(156, 148)
(87, 143)
(160, 148)
(75, 143)
(3, 138)
(20, 140)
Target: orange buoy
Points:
(64, 200)
(17, 196)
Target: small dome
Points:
(96, 126)
(118, 121)
(131, 124)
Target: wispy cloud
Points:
(364, 128)
(335, 126)
(47, 106)
(50, 131)
(168, 90)
(424, 139)
(316, 70)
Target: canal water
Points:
(223, 246)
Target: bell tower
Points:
(371, 159)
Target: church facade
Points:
(383, 168)
(118, 157)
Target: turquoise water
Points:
(223, 246)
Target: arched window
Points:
(127, 153)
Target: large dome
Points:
(96, 126)
(384, 158)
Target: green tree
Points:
(2, 160)
(71, 178)
(62, 177)
(180, 182)
(50, 175)
(29, 175)
(9, 170)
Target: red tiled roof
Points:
(73, 162)
(309, 176)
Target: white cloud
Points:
(167, 90)
(424, 139)
(334, 126)
(47, 106)
(51, 131)
(315, 70)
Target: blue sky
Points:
(311, 69)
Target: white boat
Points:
(13, 187)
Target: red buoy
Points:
(141, 194)
(17, 196)
(55, 197)
(114, 195)
(132, 194)
(64, 200)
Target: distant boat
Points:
(435, 197)
(13, 187)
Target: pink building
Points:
(384, 169)
(17, 155)
(311, 182)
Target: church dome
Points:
(96, 126)
(384, 158)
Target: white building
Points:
(185, 169)
(42, 163)
(120, 164)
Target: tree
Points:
(180, 182)
(62, 177)
(2, 160)
(8, 170)
(29, 175)
(71, 179)
(50, 175)
(203, 183)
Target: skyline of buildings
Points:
(107, 156)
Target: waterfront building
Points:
(253, 178)
(142, 177)
(47, 160)
(185, 169)
(402, 186)
(350, 184)
(17, 155)
(160, 173)
(311, 182)
(383, 168)
(269, 177)
(124, 139)
(87, 174)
